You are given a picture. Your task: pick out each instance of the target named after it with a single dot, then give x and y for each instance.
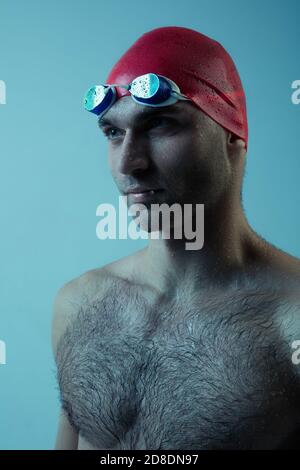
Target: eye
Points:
(111, 133)
(161, 122)
(162, 125)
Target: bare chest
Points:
(183, 373)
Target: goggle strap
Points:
(127, 87)
(179, 95)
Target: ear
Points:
(235, 145)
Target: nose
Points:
(133, 154)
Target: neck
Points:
(230, 245)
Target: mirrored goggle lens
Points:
(145, 86)
(98, 99)
(94, 96)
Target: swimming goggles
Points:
(149, 89)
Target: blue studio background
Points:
(54, 167)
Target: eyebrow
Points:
(142, 115)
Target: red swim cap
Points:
(199, 65)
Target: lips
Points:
(150, 191)
(141, 189)
(140, 195)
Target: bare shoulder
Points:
(278, 294)
(84, 288)
(70, 297)
(288, 312)
(288, 323)
(73, 295)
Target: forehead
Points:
(125, 111)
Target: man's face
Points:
(176, 150)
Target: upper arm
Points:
(67, 436)
(70, 298)
(63, 312)
(66, 305)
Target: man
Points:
(172, 348)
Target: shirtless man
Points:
(172, 348)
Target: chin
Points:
(156, 224)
